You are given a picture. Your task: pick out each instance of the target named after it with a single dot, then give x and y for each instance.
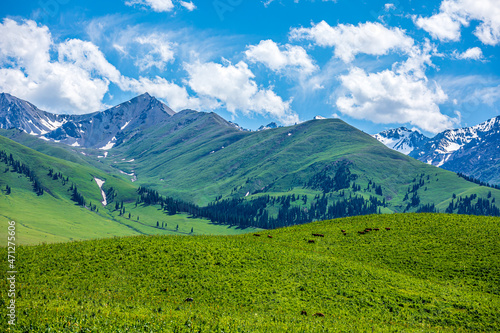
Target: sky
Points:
(425, 65)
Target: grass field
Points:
(428, 273)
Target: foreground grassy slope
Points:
(54, 217)
(429, 273)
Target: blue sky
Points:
(428, 65)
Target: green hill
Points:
(199, 157)
(55, 216)
(428, 273)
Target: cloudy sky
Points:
(428, 65)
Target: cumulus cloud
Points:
(73, 83)
(293, 58)
(157, 51)
(162, 5)
(349, 40)
(235, 88)
(389, 6)
(474, 53)
(390, 97)
(453, 14)
(77, 78)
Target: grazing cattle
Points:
(303, 313)
(361, 232)
(319, 314)
(310, 241)
(343, 231)
(387, 228)
(376, 229)
(189, 299)
(256, 235)
(368, 229)
(269, 236)
(345, 234)
(318, 235)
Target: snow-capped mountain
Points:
(268, 126)
(16, 113)
(474, 151)
(101, 130)
(401, 139)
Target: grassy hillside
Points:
(428, 273)
(199, 157)
(55, 217)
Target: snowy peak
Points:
(401, 139)
(268, 126)
(94, 130)
(473, 151)
(319, 118)
(20, 114)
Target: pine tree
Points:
(192, 229)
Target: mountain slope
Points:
(16, 113)
(471, 150)
(401, 139)
(95, 130)
(55, 215)
(202, 157)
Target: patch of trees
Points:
(245, 213)
(76, 196)
(477, 181)
(22, 169)
(468, 205)
(327, 182)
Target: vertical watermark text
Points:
(11, 272)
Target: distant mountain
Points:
(100, 130)
(402, 139)
(473, 151)
(268, 126)
(16, 113)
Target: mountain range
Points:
(473, 151)
(148, 160)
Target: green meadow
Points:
(428, 273)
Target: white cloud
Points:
(441, 26)
(73, 83)
(77, 80)
(160, 51)
(453, 14)
(233, 86)
(390, 97)
(292, 58)
(156, 5)
(162, 5)
(389, 6)
(189, 5)
(474, 53)
(349, 40)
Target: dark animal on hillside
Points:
(343, 231)
(345, 234)
(257, 235)
(269, 236)
(319, 314)
(387, 228)
(318, 235)
(189, 299)
(303, 313)
(376, 229)
(310, 241)
(361, 232)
